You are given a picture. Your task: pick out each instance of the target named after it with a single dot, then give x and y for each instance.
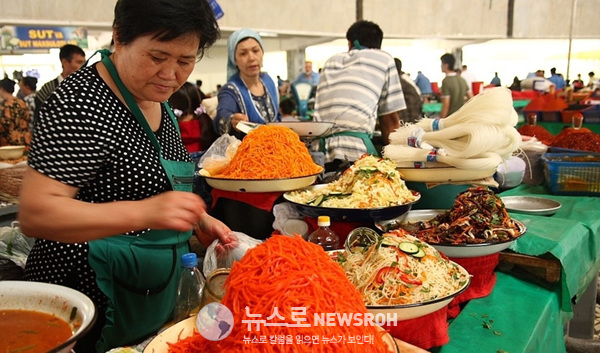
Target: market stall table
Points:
(525, 313)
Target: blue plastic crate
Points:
(591, 114)
(572, 173)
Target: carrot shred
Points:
(270, 152)
(286, 273)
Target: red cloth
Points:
(340, 228)
(190, 134)
(262, 200)
(425, 332)
(483, 279)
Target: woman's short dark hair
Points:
(367, 33)
(8, 85)
(30, 82)
(166, 20)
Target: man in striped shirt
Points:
(357, 90)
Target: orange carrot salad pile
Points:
(270, 152)
(288, 272)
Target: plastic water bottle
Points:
(189, 289)
(324, 236)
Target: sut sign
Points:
(17, 38)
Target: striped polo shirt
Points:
(355, 88)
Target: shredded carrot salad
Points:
(270, 152)
(287, 273)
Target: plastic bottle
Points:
(189, 289)
(324, 236)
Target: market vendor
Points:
(249, 94)
(108, 188)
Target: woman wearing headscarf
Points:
(249, 94)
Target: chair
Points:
(302, 92)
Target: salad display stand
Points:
(525, 313)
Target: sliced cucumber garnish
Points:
(409, 248)
(419, 254)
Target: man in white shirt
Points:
(357, 89)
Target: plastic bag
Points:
(219, 155)
(510, 173)
(220, 255)
(14, 245)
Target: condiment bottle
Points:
(189, 289)
(532, 119)
(324, 236)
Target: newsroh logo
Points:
(214, 321)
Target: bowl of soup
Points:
(42, 317)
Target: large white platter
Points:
(412, 311)
(444, 174)
(306, 128)
(458, 250)
(260, 185)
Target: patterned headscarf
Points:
(232, 43)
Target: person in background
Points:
(468, 76)
(556, 79)
(578, 83)
(424, 86)
(14, 117)
(355, 108)
(412, 97)
(249, 94)
(199, 88)
(593, 83)
(286, 108)
(28, 85)
(108, 196)
(516, 84)
(72, 58)
(454, 88)
(195, 125)
(308, 75)
(496, 80)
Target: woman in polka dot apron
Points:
(108, 188)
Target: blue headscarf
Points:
(232, 43)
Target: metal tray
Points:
(531, 205)
(454, 250)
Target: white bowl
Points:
(11, 152)
(412, 311)
(63, 302)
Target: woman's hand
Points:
(210, 228)
(236, 118)
(176, 210)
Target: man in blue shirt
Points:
(556, 79)
(308, 76)
(423, 83)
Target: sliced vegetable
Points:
(409, 248)
(419, 254)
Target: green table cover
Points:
(570, 235)
(518, 316)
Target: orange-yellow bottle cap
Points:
(323, 221)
